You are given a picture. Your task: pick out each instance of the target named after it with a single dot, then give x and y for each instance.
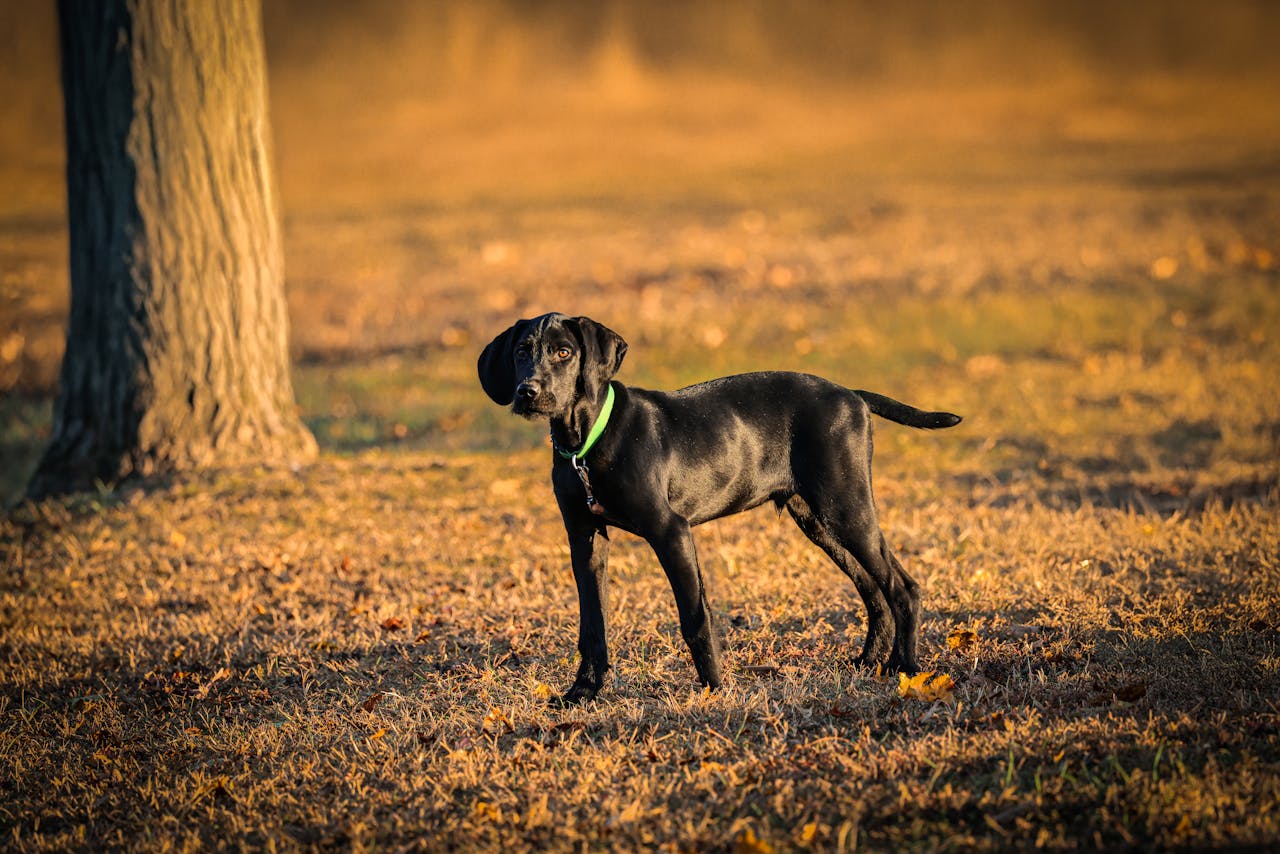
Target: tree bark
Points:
(177, 342)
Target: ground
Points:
(361, 653)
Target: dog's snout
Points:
(528, 389)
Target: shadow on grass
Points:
(1178, 494)
(24, 430)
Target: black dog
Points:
(657, 463)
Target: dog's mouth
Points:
(531, 408)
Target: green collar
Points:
(597, 429)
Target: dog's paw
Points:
(578, 693)
(586, 685)
(879, 665)
(875, 654)
(897, 664)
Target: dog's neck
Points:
(569, 430)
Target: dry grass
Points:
(359, 654)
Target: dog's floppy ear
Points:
(602, 354)
(497, 364)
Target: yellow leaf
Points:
(927, 686)
(808, 833)
(379, 734)
(910, 686)
(486, 811)
(961, 638)
(748, 843)
(543, 691)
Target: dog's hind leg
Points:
(866, 543)
(880, 622)
(903, 656)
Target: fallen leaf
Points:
(373, 700)
(807, 833)
(392, 624)
(927, 686)
(748, 843)
(203, 691)
(543, 691)
(961, 638)
(379, 734)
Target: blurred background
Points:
(946, 201)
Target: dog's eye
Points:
(563, 352)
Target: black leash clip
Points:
(581, 468)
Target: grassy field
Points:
(360, 654)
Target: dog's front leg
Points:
(589, 552)
(673, 544)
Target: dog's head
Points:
(547, 364)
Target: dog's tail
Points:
(887, 407)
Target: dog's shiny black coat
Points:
(671, 460)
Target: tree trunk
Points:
(177, 353)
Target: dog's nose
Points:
(528, 389)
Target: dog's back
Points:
(735, 442)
